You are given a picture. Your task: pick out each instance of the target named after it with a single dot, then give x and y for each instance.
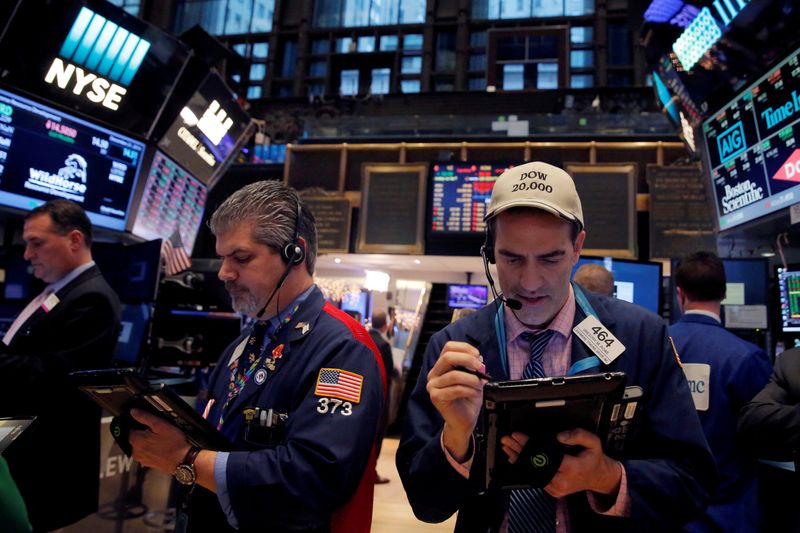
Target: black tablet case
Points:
(118, 390)
(13, 428)
(541, 408)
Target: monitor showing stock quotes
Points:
(637, 282)
(46, 155)
(460, 193)
(789, 293)
(751, 147)
(172, 204)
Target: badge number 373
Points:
(333, 405)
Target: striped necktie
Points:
(533, 510)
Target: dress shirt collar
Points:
(60, 284)
(709, 314)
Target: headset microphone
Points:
(275, 291)
(514, 305)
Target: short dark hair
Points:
(701, 276)
(378, 319)
(66, 216)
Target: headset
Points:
(487, 251)
(292, 253)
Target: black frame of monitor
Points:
(454, 242)
(659, 264)
(704, 155)
(144, 174)
(101, 126)
(486, 301)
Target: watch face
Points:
(185, 474)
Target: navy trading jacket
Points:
(318, 473)
(667, 461)
(729, 372)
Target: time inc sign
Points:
(705, 30)
(95, 52)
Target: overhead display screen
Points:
(172, 204)
(207, 130)
(460, 193)
(94, 58)
(751, 147)
(46, 155)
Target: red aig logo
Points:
(790, 169)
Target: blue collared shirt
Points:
(221, 462)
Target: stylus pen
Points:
(481, 375)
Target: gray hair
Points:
(273, 207)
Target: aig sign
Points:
(731, 142)
(97, 60)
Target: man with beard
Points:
(300, 393)
(535, 233)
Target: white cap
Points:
(537, 185)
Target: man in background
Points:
(595, 278)
(724, 373)
(72, 325)
(380, 326)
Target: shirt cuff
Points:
(461, 468)
(622, 504)
(220, 476)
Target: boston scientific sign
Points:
(94, 58)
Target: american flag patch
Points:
(337, 383)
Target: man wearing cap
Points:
(660, 480)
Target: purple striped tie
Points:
(533, 510)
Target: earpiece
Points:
(292, 252)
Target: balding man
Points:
(595, 278)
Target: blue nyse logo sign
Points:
(731, 142)
(109, 54)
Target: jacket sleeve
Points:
(323, 455)
(770, 422)
(84, 338)
(434, 489)
(669, 467)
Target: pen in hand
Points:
(481, 375)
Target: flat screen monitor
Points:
(459, 195)
(637, 282)
(747, 283)
(171, 205)
(94, 58)
(459, 296)
(131, 270)
(789, 294)
(134, 329)
(751, 147)
(46, 155)
(206, 133)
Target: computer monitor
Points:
(637, 282)
(747, 284)
(46, 155)
(789, 294)
(135, 327)
(207, 131)
(171, 204)
(132, 270)
(750, 147)
(460, 296)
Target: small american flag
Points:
(337, 383)
(176, 259)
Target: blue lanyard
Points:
(579, 366)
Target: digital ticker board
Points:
(751, 147)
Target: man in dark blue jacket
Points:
(299, 394)
(535, 235)
(724, 373)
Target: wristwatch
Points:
(185, 473)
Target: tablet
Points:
(11, 428)
(118, 390)
(541, 408)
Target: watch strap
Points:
(191, 456)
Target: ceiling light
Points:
(417, 262)
(337, 260)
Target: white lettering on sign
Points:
(101, 90)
